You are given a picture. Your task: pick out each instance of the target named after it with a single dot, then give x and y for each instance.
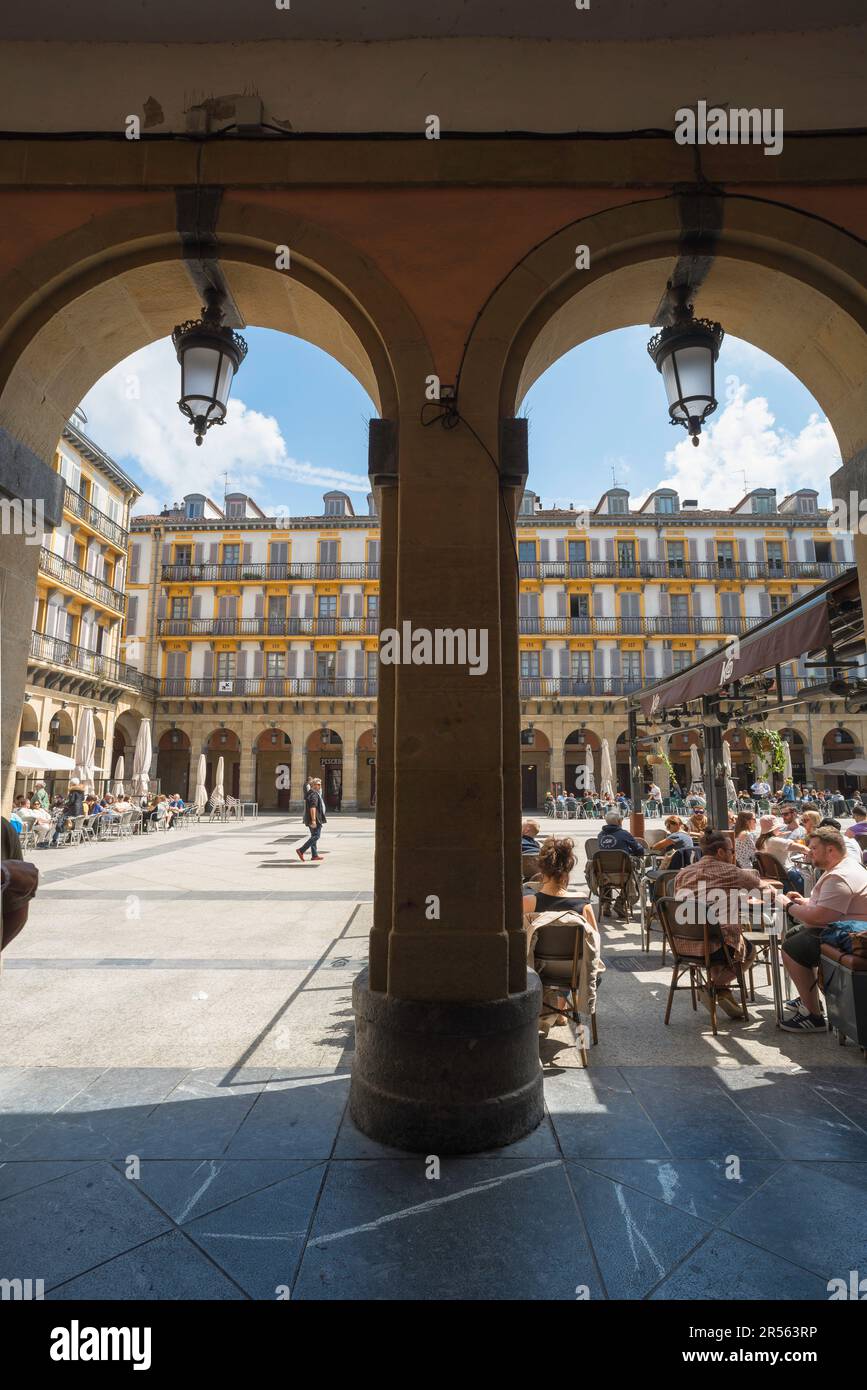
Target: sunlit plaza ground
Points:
(184, 1000)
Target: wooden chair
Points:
(698, 967)
(770, 868)
(651, 891)
(557, 951)
(613, 871)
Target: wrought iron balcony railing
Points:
(105, 525)
(695, 570)
(59, 653)
(75, 578)
(268, 627)
(221, 574)
(561, 687)
(636, 627)
(267, 687)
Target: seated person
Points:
(840, 894)
(853, 849)
(772, 843)
(556, 862)
(623, 807)
(613, 836)
(860, 825)
(697, 823)
(529, 833)
(674, 845)
(571, 805)
(745, 839)
(791, 828)
(717, 870)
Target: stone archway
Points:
(223, 743)
(325, 760)
(535, 768)
(838, 746)
(173, 763)
(801, 774)
(576, 745)
(273, 770)
(366, 770)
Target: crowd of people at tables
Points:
(805, 841)
(50, 817)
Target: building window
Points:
(778, 603)
(764, 504)
(335, 506)
(626, 556)
(372, 668)
(231, 554)
(527, 552)
(180, 608)
(680, 660)
(195, 508)
(579, 665)
(225, 665)
(275, 664)
(665, 503)
(373, 606)
(807, 505)
(235, 508)
(630, 666)
(617, 504)
(577, 552)
(327, 605)
(183, 555)
(529, 664)
(775, 557)
(527, 503)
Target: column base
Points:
(442, 1077)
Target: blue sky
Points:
(297, 426)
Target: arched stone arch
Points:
(325, 760)
(365, 779)
(226, 744)
(29, 732)
(273, 785)
(174, 754)
(535, 767)
(575, 748)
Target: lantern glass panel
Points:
(694, 368)
(201, 369)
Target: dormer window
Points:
(807, 505)
(334, 506)
(666, 503)
(528, 502)
(617, 503)
(194, 508)
(765, 503)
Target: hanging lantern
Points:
(210, 355)
(685, 353)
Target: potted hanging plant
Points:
(766, 750)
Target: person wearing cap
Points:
(40, 795)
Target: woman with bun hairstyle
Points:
(556, 862)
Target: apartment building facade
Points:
(262, 632)
(77, 651)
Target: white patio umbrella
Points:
(201, 797)
(85, 750)
(118, 788)
(605, 775)
(589, 772)
(787, 759)
(695, 771)
(32, 759)
(218, 796)
(142, 759)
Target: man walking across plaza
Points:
(314, 819)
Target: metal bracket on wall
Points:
(197, 212)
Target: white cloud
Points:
(743, 437)
(132, 412)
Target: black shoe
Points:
(805, 1023)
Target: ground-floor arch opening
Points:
(224, 743)
(535, 768)
(838, 746)
(578, 744)
(273, 770)
(366, 771)
(173, 763)
(325, 760)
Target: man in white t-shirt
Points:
(839, 895)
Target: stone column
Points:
(447, 1054)
(383, 895)
(247, 774)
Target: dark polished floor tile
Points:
(708, 1188)
(694, 1116)
(796, 1118)
(296, 1119)
(258, 1240)
(65, 1227)
(809, 1217)
(486, 1229)
(170, 1267)
(21, 1176)
(597, 1121)
(189, 1189)
(724, 1268)
(636, 1239)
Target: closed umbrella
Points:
(605, 776)
(589, 773)
(141, 762)
(695, 765)
(85, 750)
(118, 788)
(218, 796)
(201, 796)
(787, 760)
(731, 793)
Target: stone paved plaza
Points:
(184, 1000)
